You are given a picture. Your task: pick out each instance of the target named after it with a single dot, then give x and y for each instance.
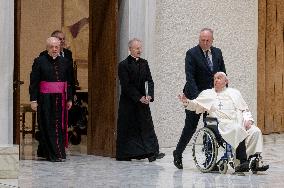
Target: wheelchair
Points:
(206, 144)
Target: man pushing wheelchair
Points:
(235, 123)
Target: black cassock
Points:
(51, 136)
(136, 138)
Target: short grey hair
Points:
(50, 40)
(207, 29)
(133, 40)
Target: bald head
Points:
(53, 46)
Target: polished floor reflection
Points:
(81, 170)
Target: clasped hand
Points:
(145, 99)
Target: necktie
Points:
(209, 62)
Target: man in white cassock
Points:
(236, 124)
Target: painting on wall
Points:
(75, 25)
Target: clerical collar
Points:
(52, 57)
(136, 58)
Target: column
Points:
(6, 71)
(9, 153)
(137, 19)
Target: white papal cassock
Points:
(229, 107)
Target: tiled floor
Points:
(81, 170)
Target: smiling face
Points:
(220, 81)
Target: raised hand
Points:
(182, 98)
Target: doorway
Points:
(102, 67)
(36, 21)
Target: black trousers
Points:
(191, 122)
(241, 153)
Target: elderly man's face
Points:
(53, 48)
(136, 49)
(205, 40)
(220, 81)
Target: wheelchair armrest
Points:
(212, 123)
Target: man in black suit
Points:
(201, 63)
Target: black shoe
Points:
(215, 168)
(160, 155)
(152, 158)
(261, 168)
(257, 164)
(55, 160)
(243, 167)
(123, 159)
(177, 160)
(41, 153)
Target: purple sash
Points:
(58, 87)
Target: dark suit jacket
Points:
(198, 75)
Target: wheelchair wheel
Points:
(223, 166)
(204, 149)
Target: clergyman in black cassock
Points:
(64, 52)
(75, 114)
(51, 95)
(136, 137)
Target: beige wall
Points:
(38, 19)
(76, 15)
